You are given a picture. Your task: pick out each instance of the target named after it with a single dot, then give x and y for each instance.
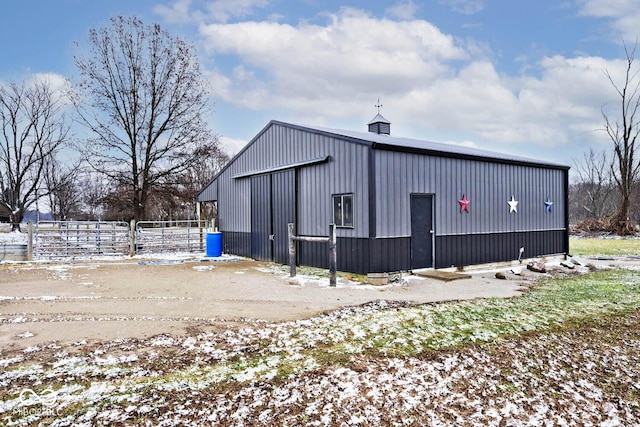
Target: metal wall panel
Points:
(261, 244)
(391, 255)
(234, 204)
(236, 243)
(489, 186)
(461, 250)
(346, 172)
(209, 193)
(283, 208)
(360, 256)
(353, 254)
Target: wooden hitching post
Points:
(292, 251)
(132, 238)
(333, 257)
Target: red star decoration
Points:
(464, 204)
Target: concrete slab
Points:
(446, 276)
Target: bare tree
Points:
(623, 132)
(144, 99)
(33, 129)
(595, 179)
(175, 198)
(62, 189)
(93, 195)
(209, 162)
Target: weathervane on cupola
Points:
(378, 105)
(379, 124)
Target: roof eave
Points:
(465, 156)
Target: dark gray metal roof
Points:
(381, 141)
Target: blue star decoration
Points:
(548, 205)
(464, 204)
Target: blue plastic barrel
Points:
(214, 244)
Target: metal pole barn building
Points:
(398, 204)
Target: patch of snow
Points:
(13, 237)
(25, 334)
(203, 267)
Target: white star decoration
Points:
(513, 205)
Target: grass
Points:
(413, 330)
(619, 246)
(571, 307)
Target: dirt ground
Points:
(106, 300)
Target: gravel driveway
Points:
(105, 300)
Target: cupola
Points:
(379, 124)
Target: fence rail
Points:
(64, 239)
(165, 236)
(71, 239)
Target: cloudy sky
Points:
(520, 77)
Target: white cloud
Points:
(403, 10)
(624, 16)
(430, 83)
(183, 11)
(559, 107)
(59, 85)
(56, 81)
(177, 13)
(354, 55)
(466, 7)
(232, 146)
(607, 8)
(223, 10)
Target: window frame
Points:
(341, 197)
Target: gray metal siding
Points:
(279, 145)
(261, 221)
(234, 204)
(489, 186)
(283, 208)
(209, 193)
(460, 250)
(346, 173)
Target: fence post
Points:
(30, 241)
(333, 257)
(292, 251)
(132, 238)
(199, 218)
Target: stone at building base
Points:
(537, 267)
(378, 279)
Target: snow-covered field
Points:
(8, 237)
(566, 353)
